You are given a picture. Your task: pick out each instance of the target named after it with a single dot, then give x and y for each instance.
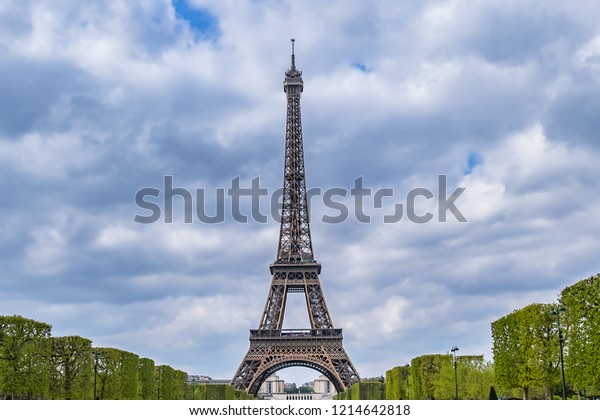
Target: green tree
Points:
(525, 349)
(166, 382)
(117, 374)
(424, 373)
(292, 389)
(108, 373)
(506, 350)
(367, 390)
(24, 357)
(129, 375)
(581, 325)
(444, 383)
(215, 392)
(478, 378)
(71, 368)
(180, 385)
(475, 377)
(396, 383)
(147, 379)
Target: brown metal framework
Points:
(295, 271)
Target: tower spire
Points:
(294, 236)
(293, 55)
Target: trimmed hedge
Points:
(396, 383)
(367, 391)
(216, 392)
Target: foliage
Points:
(201, 391)
(424, 372)
(35, 365)
(396, 383)
(505, 333)
(582, 321)
(117, 374)
(108, 366)
(71, 368)
(292, 389)
(216, 392)
(172, 383)
(147, 379)
(525, 347)
(340, 396)
(24, 357)
(129, 375)
(180, 385)
(474, 377)
(364, 390)
(367, 391)
(374, 379)
(166, 382)
(242, 395)
(478, 378)
(444, 382)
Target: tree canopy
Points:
(24, 357)
(582, 332)
(526, 349)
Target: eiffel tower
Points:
(295, 271)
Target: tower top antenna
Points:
(293, 55)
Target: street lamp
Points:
(95, 372)
(159, 372)
(193, 388)
(454, 350)
(556, 312)
(407, 370)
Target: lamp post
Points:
(95, 372)
(556, 312)
(193, 388)
(454, 350)
(407, 370)
(159, 372)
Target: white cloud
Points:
(104, 98)
(47, 156)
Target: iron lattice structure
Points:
(295, 271)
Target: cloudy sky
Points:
(99, 99)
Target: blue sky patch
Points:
(472, 161)
(360, 66)
(202, 21)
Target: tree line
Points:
(432, 377)
(527, 345)
(526, 350)
(428, 377)
(36, 365)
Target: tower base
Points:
(273, 350)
